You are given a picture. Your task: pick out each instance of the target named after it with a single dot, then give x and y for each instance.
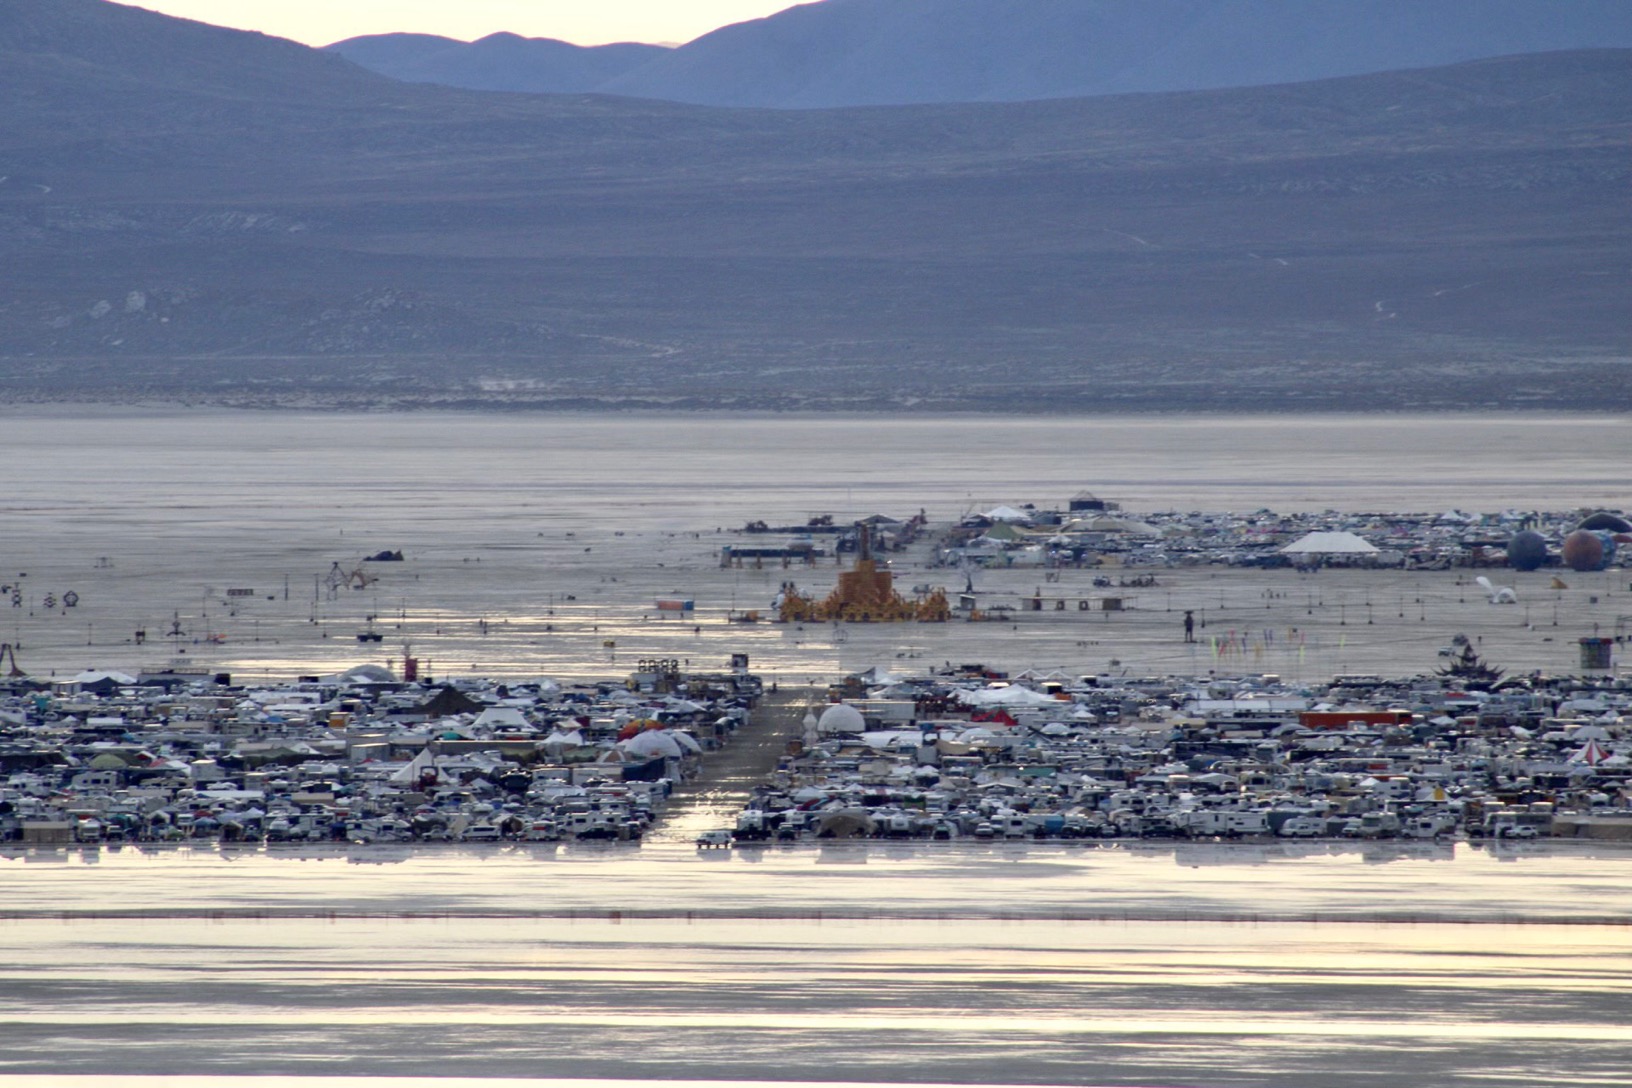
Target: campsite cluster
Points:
(356, 757)
(964, 754)
(1091, 532)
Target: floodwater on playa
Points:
(1015, 963)
(536, 544)
(531, 542)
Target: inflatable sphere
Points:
(1603, 520)
(1584, 551)
(1527, 550)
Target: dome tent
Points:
(841, 718)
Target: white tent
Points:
(1012, 696)
(1329, 544)
(501, 718)
(1105, 523)
(411, 772)
(93, 676)
(362, 674)
(1007, 513)
(653, 742)
(558, 741)
(841, 718)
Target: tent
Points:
(1591, 754)
(501, 718)
(1107, 524)
(362, 674)
(841, 718)
(635, 726)
(93, 676)
(1329, 544)
(410, 774)
(849, 823)
(1004, 533)
(558, 742)
(652, 743)
(1012, 696)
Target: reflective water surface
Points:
(533, 541)
(1280, 965)
(1196, 965)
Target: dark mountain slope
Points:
(498, 62)
(389, 54)
(111, 44)
(1454, 237)
(892, 52)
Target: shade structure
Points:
(655, 742)
(1592, 754)
(1329, 543)
(1012, 696)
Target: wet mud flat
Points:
(584, 606)
(539, 545)
(869, 963)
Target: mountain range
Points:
(899, 52)
(192, 213)
(498, 62)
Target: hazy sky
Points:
(587, 22)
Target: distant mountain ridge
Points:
(898, 52)
(197, 214)
(498, 62)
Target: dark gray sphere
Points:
(1605, 521)
(1527, 550)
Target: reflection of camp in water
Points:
(865, 594)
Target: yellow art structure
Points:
(865, 594)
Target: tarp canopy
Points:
(559, 741)
(362, 674)
(1004, 533)
(93, 676)
(501, 717)
(891, 738)
(1011, 696)
(653, 742)
(1329, 544)
(411, 772)
(1104, 523)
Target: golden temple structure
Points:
(865, 594)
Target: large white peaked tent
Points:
(1329, 544)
